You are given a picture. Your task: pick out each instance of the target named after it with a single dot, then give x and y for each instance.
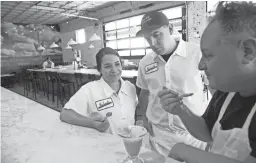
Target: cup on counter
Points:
(132, 137)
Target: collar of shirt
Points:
(180, 50)
(109, 91)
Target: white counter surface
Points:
(33, 133)
(70, 70)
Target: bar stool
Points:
(55, 78)
(50, 78)
(41, 81)
(29, 79)
(62, 84)
(91, 77)
(79, 80)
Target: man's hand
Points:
(101, 126)
(177, 152)
(170, 101)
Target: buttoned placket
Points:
(118, 96)
(168, 84)
(115, 95)
(160, 59)
(167, 78)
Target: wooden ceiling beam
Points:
(49, 20)
(11, 9)
(30, 6)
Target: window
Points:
(121, 34)
(211, 5)
(80, 36)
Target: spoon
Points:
(186, 95)
(109, 114)
(180, 96)
(112, 128)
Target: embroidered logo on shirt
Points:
(104, 104)
(151, 68)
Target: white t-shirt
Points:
(48, 65)
(98, 96)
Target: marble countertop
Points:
(70, 70)
(6, 75)
(33, 133)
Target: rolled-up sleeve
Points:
(141, 82)
(79, 102)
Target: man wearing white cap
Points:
(172, 64)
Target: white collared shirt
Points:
(98, 96)
(180, 73)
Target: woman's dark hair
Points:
(105, 51)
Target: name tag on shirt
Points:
(151, 68)
(104, 104)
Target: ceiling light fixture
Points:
(71, 42)
(68, 47)
(54, 45)
(91, 46)
(40, 48)
(95, 37)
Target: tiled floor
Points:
(40, 98)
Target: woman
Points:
(89, 106)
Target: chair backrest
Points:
(52, 76)
(29, 75)
(91, 77)
(79, 77)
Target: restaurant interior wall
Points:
(68, 31)
(10, 64)
(196, 11)
(88, 55)
(193, 19)
(196, 20)
(19, 45)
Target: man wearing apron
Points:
(173, 63)
(229, 61)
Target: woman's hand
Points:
(100, 123)
(96, 116)
(101, 126)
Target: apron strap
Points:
(249, 118)
(225, 105)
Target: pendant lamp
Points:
(54, 45)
